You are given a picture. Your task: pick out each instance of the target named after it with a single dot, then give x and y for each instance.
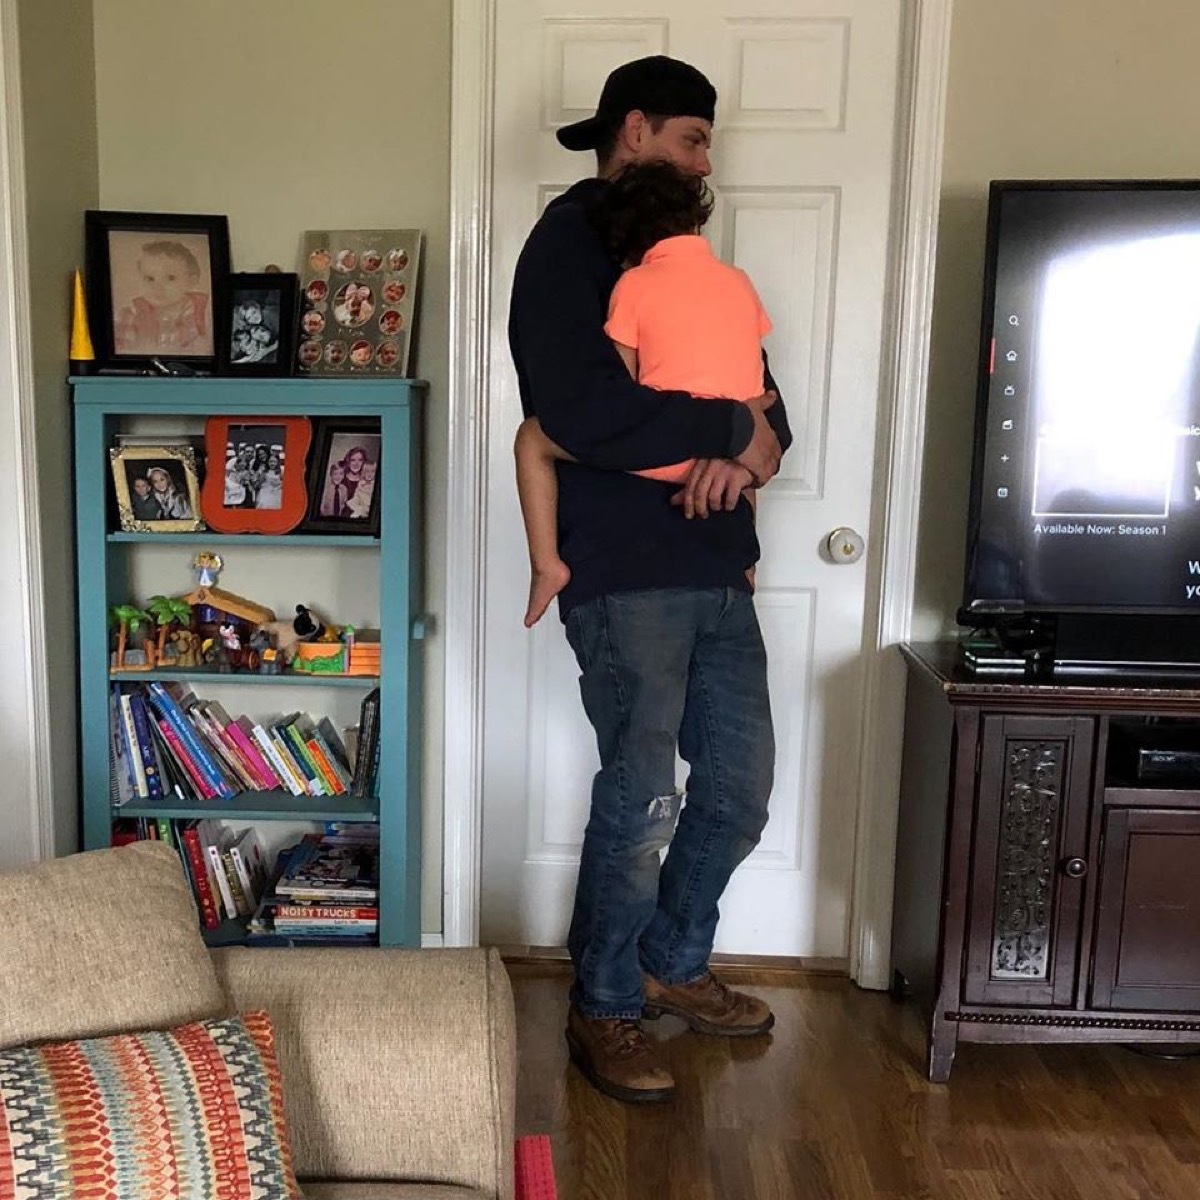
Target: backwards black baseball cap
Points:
(663, 86)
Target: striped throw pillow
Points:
(194, 1113)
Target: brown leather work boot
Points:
(708, 1006)
(618, 1059)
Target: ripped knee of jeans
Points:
(662, 811)
(666, 806)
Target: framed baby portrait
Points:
(254, 477)
(358, 301)
(157, 488)
(259, 335)
(155, 288)
(344, 476)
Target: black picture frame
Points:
(335, 439)
(139, 264)
(275, 296)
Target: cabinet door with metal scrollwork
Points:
(1029, 868)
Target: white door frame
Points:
(28, 814)
(923, 69)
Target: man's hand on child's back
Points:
(714, 484)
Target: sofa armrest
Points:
(396, 1064)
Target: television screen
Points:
(1086, 486)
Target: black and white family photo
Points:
(255, 325)
(350, 476)
(254, 466)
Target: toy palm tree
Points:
(128, 618)
(166, 612)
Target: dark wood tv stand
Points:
(1045, 893)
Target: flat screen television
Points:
(1085, 494)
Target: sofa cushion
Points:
(103, 942)
(195, 1113)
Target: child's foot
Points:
(544, 584)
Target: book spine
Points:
(199, 781)
(122, 769)
(145, 747)
(131, 748)
(288, 759)
(223, 754)
(318, 912)
(294, 744)
(368, 737)
(209, 913)
(325, 766)
(304, 746)
(300, 747)
(242, 906)
(253, 756)
(263, 740)
(242, 871)
(169, 709)
(217, 870)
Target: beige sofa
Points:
(398, 1065)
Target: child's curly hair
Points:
(647, 202)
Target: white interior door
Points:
(803, 156)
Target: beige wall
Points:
(57, 86)
(290, 115)
(1076, 88)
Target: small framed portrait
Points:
(255, 476)
(157, 488)
(260, 337)
(359, 290)
(344, 476)
(155, 287)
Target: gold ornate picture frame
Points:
(157, 488)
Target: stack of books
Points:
(326, 890)
(364, 653)
(168, 743)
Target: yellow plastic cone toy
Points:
(83, 354)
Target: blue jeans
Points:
(663, 668)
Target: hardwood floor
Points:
(835, 1104)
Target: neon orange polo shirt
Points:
(696, 323)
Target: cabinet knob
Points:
(1075, 868)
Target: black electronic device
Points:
(1085, 495)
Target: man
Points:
(658, 610)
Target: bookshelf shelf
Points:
(107, 559)
(210, 538)
(261, 806)
(249, 678)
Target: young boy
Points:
(681, 320)
(171, 314)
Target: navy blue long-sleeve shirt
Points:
(616, 531)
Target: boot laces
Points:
(626, 1039)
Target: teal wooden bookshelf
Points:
(105, 405)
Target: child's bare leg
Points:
(537, 487)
